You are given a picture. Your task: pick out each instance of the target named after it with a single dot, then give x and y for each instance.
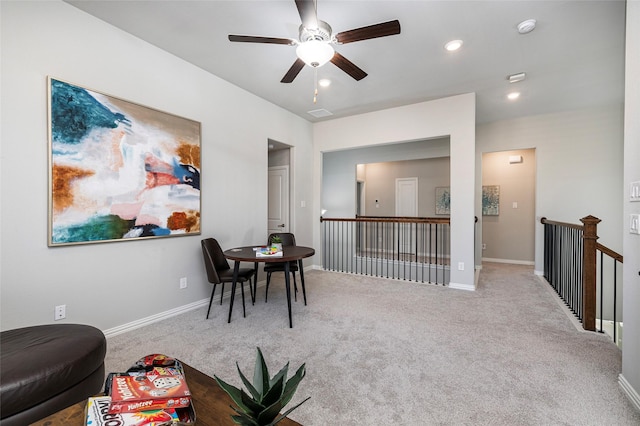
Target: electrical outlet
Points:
(460, 266)
(183, 282)
(484, 246)
(60, 312)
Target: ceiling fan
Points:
(314, 46)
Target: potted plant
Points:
(268, 395)
(276, 242)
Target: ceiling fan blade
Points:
(372, 31)
(347, 66)
(307, 11)
(293, 71)
(258, 39)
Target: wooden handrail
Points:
(388, 219)
(606, 250)
(545, 221)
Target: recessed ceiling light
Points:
(513, 95)
(453, 45)
(527, 26)
(325, 82)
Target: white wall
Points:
(630, 377)
(454, 117)
(111, 284)
(578, 158)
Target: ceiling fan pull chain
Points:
(315, 85)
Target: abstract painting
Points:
(443, 200)
(491, 200)
(118, 170)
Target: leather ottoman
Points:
(46, 368)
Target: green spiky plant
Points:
(268, 396)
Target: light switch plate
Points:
(634, 224)
(634, 191)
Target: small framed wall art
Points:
(491, 200)
(443, 200)
(119, 171)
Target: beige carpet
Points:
(384, 352)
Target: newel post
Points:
(590, 237)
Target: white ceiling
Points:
(573, 59)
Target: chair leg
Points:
(222, 293)
(266, 292)
(211, 300)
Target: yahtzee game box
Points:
(148, 392)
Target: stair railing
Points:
(571, 264)
(409, 248)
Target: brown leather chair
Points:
(288, 239)
(219, 271)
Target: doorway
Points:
(279, 188)
(508, 224)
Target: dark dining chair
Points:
(219, 271)
(288, 239)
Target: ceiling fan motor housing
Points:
(321, 33)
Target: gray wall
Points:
(111, 284)
(630, 377)
(578, 158)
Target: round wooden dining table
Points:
(289, 254)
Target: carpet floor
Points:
(387, 352)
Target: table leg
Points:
(255, 284)
(288, 287)
(236, 267)
(304, 293)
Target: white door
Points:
(278, 209)
(407, 197)
(406, 205)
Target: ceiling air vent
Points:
(319, 113)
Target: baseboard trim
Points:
(514, 262)
(629, 391)
(125, 328)
(459, 286)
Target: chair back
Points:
(288, 239)
(214, 259)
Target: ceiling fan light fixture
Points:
(315, 53)
(325, 82)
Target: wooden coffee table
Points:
(211, 404)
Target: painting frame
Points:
(491, 200)
(443, 200)
(119, 170)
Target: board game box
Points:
(148, 392)
(98, 415)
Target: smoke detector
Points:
(527, 26)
